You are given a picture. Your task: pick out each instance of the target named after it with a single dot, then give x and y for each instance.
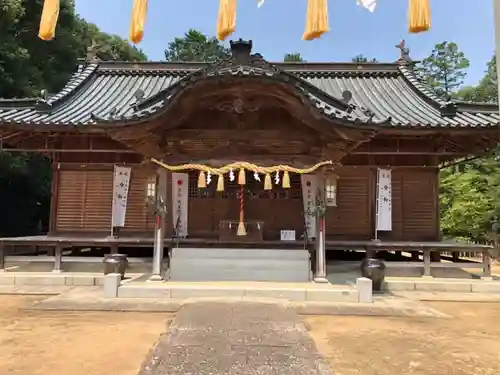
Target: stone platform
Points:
(306, 291)
(207, 338)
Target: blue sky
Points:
(277, 27)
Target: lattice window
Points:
(253, 189)
(151, 187)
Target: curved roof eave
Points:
(332, 108)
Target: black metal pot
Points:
(115, 263)
(374, 269)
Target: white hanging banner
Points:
(309, 190)
(384, 199)
(121, 181)
(180, 186)
(368, 4)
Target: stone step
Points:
(239, 274)
(225, 264)
(290, 292)
(186, 252)
(241, 263)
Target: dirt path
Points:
(45, 343)
(469, 344)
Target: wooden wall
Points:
(415, 205)
(84, 198)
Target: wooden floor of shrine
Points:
(73, 240)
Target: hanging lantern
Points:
(202, 181)
(331, 189)
(48, 22)
(226, 22)
(419, 16)
(316, 19)
(220, 183)
(268, 185)
(138, 20)
(241, 177)
(286, 180)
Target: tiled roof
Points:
(384, 94)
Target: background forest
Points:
(470, 190)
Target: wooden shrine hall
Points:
(246, 152)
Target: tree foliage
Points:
(195, 46)
(445, 69)
(27, 66)
(293, 57)
(363, 59)
(469, 191)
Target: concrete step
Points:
(225, 264)
(241, 274)
(241, 263)
(186, 252)
(291, 292)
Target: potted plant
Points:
(374, 269)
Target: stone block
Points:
(80, 280)
(365, 289)
(41, 280)
(198, 291)
(140, 291)
(399, 285)
(443, 286)
(290, 294)
(6, 279)
(332, 295)
(99, 280)
(486, 287)
(111, 284)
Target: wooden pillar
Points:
(486, 264)
(54, 193)
(159, 238)
(427, 263)
(57, 259)
(2, 257)
(436, 256)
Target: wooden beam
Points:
(239, 135)
(299, 161)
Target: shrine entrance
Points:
(214, 214)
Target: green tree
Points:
(363, 59)
(445, 69)
(28, 65)
(470, 199)
(487, 89)
(293, 57)
(195, 46)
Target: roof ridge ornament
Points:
(241, 50)
(404, 57)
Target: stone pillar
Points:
(57, 259)
(320, 276)
(159, 239)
